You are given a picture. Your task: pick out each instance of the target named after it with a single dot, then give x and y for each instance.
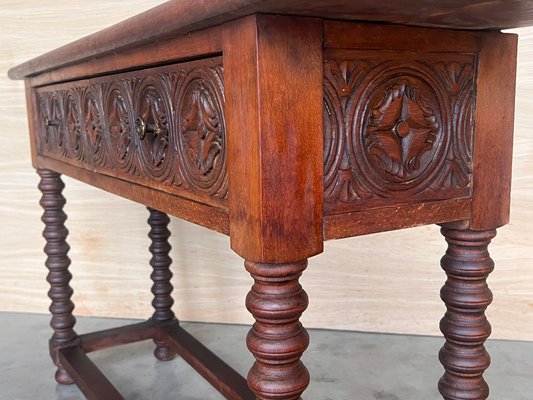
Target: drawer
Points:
(398, 127)
(161, 127)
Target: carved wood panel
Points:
(162, 127)
(397, 128)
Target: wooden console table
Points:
(283, 124)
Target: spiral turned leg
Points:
(57, 262)
(467, 264)
(277, 339)
(161, 275)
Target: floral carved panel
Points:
(161, 127)
(52, 131)
(397, 130)
(120, 125)
(153, 107)
(201, 130)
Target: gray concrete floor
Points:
(343, 365)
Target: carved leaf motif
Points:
(182, 111)
(455, 75)
(44, 107)
(400, 130)
(119, 125)
(202, 131)
(152, 111)
(344, 74)
(346, 188)
(74, 125)
(93, 124)
(396, 128)
(57, 116)
(51, 115)
(342, 77)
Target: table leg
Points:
(277, 339)
(276, 181)
(57, 262)
(467, 264)
(161, 275)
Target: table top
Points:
(178, 17)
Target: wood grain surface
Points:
(179, 17)
(350, 286)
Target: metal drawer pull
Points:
(142, 128)
(51, 122)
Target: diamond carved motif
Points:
(400, 131)
(201, 131)
(397, 130)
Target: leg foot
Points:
(277, 339)
(62, 377)
(467, 264)
(163, 352)
(161, 276)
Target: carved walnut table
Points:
(283, 124)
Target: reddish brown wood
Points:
(33, 120)
(379, 37)
(467, 264)
(118, 336)
(96, 124)
(211, 217)
(384, 219)
(276, 186)
(493, 143)
(179, 17)
(398, 123)
(277, 339)
(204, 43)
(93, 384)
(57, 262)
(219, 374)
(86, 375)
(161, 276)
(275, 136)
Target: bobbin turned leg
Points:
(277, 339)
(467, 264)
(161, 275)
(57, 262)
(276, 175)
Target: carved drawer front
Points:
(398, 128)
(162, 127)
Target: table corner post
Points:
(274, 110)
(493, 136)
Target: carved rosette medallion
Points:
(92, 124)
(395, 131)
(402, 131)
(153, 107)
(45, 115)
(120, 122)
(73, 121)
(201, 131)
(52, 123)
